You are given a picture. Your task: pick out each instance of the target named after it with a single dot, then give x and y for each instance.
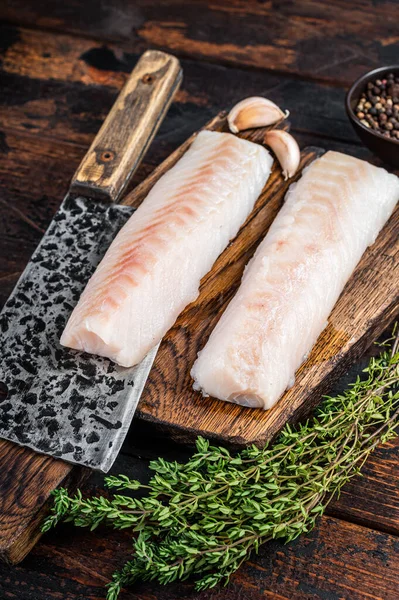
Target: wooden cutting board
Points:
(369, 302)
(367, 305)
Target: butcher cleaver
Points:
(58, 401)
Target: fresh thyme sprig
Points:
(204, 517)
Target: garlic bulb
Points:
(286, 149)
(254, 112)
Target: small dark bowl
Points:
(387, 149)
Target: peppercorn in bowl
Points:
(372, 105)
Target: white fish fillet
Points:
(294, 279)
(153, 268)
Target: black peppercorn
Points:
(378, 106)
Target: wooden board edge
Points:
(26, 536)
(188, 435)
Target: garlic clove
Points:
(286, 149)
(254, 112)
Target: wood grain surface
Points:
(25, 485)
(61, 66)
(333, 40)
(67, 106)
(337, 561)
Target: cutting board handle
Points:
(129, 128)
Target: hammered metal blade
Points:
(62, 402)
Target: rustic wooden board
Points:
(26, 482)
(333, 40)
(367, 305)
(67, 107)
(337, 561)
(372, 500)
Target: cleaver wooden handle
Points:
(129, 128)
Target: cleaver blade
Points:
(55, 400)
(62, 402)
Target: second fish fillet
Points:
(153, 268)
(291, 285)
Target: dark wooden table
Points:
(61, 66)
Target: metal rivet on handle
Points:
(147, 78)
(107, 155)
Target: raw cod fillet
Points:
(294, 279)
(153, 268)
